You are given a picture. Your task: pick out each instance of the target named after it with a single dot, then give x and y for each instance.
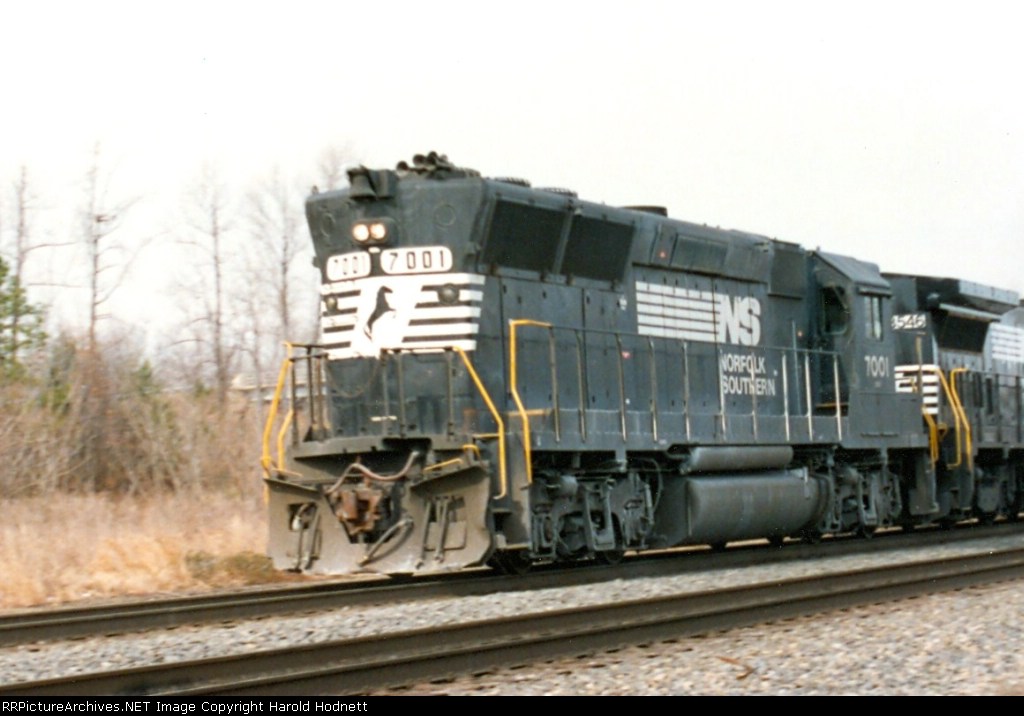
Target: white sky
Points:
(892, 131)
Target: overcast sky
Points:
(891, 131)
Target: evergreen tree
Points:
(21, 325)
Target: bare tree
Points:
(21, 249)
(100, 219)
(24, 204)
(207, 214)
(94, 402)
(331, 166)
(257, 343)
(281, 239)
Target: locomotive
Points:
(509, 374)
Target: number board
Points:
(416, 259)
(348, 266)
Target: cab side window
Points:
(873, 317)
(835, 313)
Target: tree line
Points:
(89, 406)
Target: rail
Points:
(358, 664)
(74, 621)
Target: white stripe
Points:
(675, 312)
(465, 296)
(681, 323)
(679, 334)
(418, 321)
(656, 288)
(680, 313)
(433, 313)
(672, 302)
(347, 322)
(459, 280)
(438, 329)
(907, 377)
(465, 344)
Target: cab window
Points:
(873, 317)
(834, 311)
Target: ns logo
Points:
(738, 320)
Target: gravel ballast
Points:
(963, 642)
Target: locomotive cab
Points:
(853, 324)
(396, 441)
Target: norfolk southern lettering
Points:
(746, 375)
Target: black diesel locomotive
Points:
(510, 374)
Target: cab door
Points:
(832, 345)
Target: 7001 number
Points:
(417, 259)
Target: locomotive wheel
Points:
(810, 536)
(864, 531)
(514, 563)
(616, 553)
(777, 540)
(610, 556)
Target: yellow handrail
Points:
(267, 460)
(285, 424)
(962, 428)
(514, 386)
(956, 416)
(933, 438)
(955, 398)
(503, 476)
(443, 464)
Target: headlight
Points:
(371, 231)
(448, 294)
(361, 233)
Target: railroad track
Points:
(356, 666)
(142, 615)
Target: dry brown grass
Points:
(67, 548)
